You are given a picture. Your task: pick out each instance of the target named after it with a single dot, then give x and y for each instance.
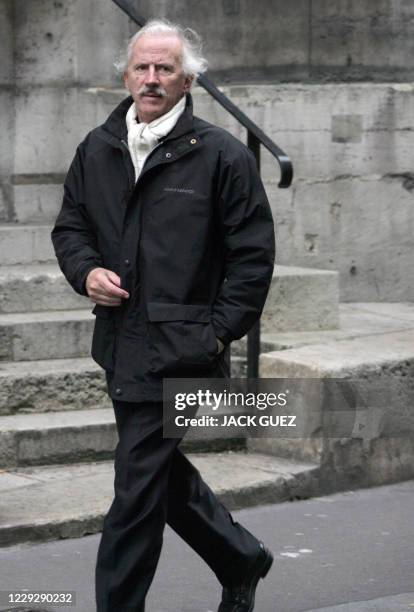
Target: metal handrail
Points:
(286, 168)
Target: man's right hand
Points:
(104, 287)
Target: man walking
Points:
(165, 225)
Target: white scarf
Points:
(143, 137)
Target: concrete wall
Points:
(50, 54)
(351, 205)
(306, 39)
(6, 105)
(314, 40)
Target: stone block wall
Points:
(351, 207)
(313, 40)
(7, 111)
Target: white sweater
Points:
(143, 137)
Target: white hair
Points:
(192, 61)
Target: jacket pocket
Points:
(181, 339)
(103, 337)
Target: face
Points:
(154, 76)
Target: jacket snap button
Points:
(126, 261)
(193, 141)
(118, 391)
(168, 155)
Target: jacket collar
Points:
(115, 125)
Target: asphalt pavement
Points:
(348, 552)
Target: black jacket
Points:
(192, 241)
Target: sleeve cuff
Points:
(223, 335)
(83, 275)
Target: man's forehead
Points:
(158, 46)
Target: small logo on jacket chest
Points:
(179, 190)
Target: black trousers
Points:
(156, 484)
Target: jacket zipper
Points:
(132, 189)
(129, 165)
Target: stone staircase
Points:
(57, 422)
(374, 345)
(57, 430)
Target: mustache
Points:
(152, 89)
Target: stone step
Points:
(376, 353)
(61, 384)
(356, 320)
(49, 334)
(56, 437)
(38, 197)
(77, 383)
(51, 385)
(26, 244)
(380, 444)
(77, 435)
(301, 299)
(70, 501)
(37, 287)
(45, 335)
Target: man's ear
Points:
(188, 82)
(124, 78)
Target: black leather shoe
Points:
(240, 597)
